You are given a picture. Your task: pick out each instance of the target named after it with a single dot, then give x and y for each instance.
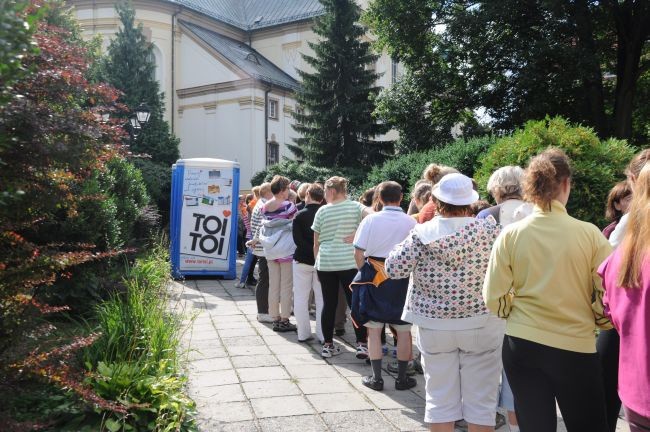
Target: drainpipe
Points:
(266, 125)
(173, 95)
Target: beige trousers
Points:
(280, 289)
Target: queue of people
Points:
(517, 305)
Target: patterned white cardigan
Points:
(446, 275)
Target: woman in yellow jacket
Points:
(542, 277)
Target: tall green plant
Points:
(336, 123)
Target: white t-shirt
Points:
(616, 237)
(380, 232)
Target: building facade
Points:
(228, 69)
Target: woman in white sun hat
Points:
(459, 339)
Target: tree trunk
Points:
(632, 29)
(592, 81)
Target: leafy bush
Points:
(407, 169)
(135, 360)
(597, 164)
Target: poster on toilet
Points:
(206, 218)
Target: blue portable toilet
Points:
(203, 225)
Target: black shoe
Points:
(251, 282)
(284, 326)
(371, 382)
(339, 332)
(405, 384)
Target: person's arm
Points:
(316, 244)
(359, 258)
(497, 287)
(404, 257)
(603, 250)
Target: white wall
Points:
(198, 67)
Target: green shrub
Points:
(597, 164)
(407, 169)
(136, 359)
(305, 172)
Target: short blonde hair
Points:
(339, 184)
(256, 191)
(506, 182)
(265, 189)
(302, 191)
(434, 172)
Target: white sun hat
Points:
(455, 189)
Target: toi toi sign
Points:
(209, 235)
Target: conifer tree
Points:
(336, 123)
(129, 66)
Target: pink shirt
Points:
(629, 309)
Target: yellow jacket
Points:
(542, 278)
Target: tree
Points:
(337, 124)
(129, 67)
(525, 59)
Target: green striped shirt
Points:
(333, 222)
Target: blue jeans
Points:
(247, 265)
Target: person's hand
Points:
(251, 243)
(349, 238)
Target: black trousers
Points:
(607, 345)
(331, 282)
(539, 374)
(262, 287)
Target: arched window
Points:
(159, 61)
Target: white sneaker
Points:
(362, 351)
(330, 350)
(264, 318)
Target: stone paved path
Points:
(245, 377)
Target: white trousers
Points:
(305, 280)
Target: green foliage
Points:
(407, 169)
(597, 164)
(522, 60)
(135, 360)
(129, 66)
(337, 124)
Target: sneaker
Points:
(405, 384)
(500, 421)
(394, 368)
(339, 332)
(362, 351)
(330, 350)
(264, 318)
(371, 382)
(251, 282)
(284, 326)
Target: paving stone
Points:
(358, 421)
(394, 399)
(293, 348)
(299, 359)
(204, 396)
(324, 385)
(204, 353)
(224, 311)
(263, 389)
(205, 335)
(224, 325)
(242, 341)
(407, 419)
(345, 358)
(214, 378)
(353, 370)
(215, 426)
(312, 371)
(228, 412)
(254, 361)
(281, 406)
(262, 373)
(237, 332)
(248, 350)
(338, 402)
(213, 364)
(303, 423)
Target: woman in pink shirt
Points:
(626, 279)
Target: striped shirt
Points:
(334, 222)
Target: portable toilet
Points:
(203, 226)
